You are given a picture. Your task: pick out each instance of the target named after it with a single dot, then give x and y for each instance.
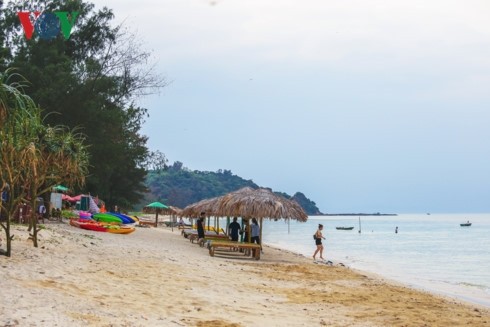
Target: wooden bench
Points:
(208, 236)
(255, 248)
(194, 237)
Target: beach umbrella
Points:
(194, 210)
(158, 207)
(174, 210)
(249, 203)
(260, 203)
(61, 188)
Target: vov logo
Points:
(47, 25)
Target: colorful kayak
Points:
(121, 230)
(124, 218)
(93, 225)
(108, 218)
(88, 225)
(85, 215)
(111, 217)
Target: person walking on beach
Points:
(318, 241)
(234, 229)
(200, 229)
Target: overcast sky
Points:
(364, 106)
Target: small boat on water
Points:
(344, 228)
(468, 224)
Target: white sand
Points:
(155, 277)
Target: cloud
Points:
(347, 93)
(332, 32)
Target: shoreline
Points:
(155, 277)
(468, 299)
(401, 257)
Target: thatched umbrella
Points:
(194, 210)
(260, 203)
(158, 207)
(248, 203)
(172, 212)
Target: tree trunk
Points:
(33, 222)
(8, 237)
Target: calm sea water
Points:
(431, 252)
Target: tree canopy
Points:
(90, 81)
(33, 156)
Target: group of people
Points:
(234, 230)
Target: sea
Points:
(431, 252)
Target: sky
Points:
(364, 106)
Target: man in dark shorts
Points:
(234, 229)
(200, 229)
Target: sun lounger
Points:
(188, 231)
(232, 246)
(145, 222)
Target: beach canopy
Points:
(157, 205)
(248, 203)
(194, 210)
(174, 210)
(61, 188)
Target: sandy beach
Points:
(155, 277)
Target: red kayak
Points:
(88, 225)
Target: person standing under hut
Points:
(255, 233)
(234, 229)
(318, 241)
(244, 231)
(200, 229)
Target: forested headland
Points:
(179, 186)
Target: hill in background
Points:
(178, 186)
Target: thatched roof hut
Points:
(173, 210)
(167, 211)
(194, 210)
(248, 203)
(259, 203)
